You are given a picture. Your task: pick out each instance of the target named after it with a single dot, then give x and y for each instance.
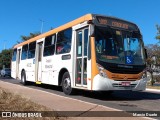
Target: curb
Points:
(153, 90)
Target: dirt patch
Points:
(14, 102)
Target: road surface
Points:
(121, 100)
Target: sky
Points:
(21, 17)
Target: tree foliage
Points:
(158, 32)
(5, 58)
(24, 38)
(153, 50)
(31, 35)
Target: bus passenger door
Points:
(17, 63)
(38, 63)
(81, 57)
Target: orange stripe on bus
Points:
(94, 69)
(119, 76)
(63, 27)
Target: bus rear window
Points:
(14, 55)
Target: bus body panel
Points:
(51, 68)
(13, 69)
(104, 84)
(29, 69)
(48, 70)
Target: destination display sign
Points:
(116, 23)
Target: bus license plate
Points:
(125, 83)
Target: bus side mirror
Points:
(146, 53)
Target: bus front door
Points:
(81, 57)
(38, 63)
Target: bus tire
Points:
(23, 78)
(66, 84)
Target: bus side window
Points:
(63, 44)
(14, 54)
(31, 51)
(49, 45)
(24, 52)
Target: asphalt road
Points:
(122, 100)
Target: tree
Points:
(5, 58)
(31, 35)
(158, 32)
(153, 51)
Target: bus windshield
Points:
(117, 46)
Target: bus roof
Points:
(63, 27)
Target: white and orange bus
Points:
(93, 52)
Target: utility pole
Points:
(4, 45)
(42, 22)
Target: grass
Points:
(153, 87)
(156, 85)
(13, 102)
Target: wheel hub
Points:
(67, 83)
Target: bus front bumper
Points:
(105, 84)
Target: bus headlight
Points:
(101, 71)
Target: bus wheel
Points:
(23, 78)
(66, 84)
